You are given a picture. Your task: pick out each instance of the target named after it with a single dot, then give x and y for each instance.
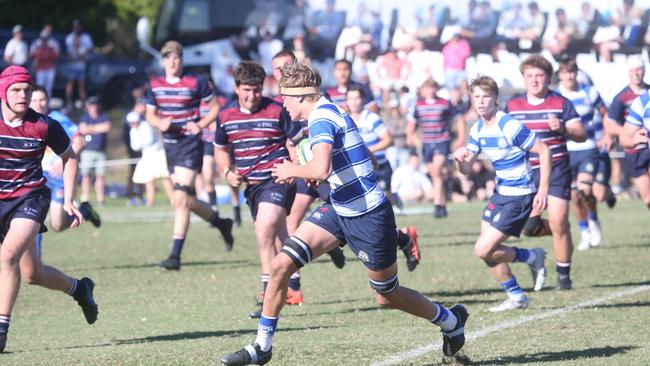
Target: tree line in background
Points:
(110, 22)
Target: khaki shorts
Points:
(93, 161)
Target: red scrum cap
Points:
(12, 75)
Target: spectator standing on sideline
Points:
(16, 50)
(392, 70)
(455, 54)
(324, 27)
(45, 51)
(94, 126)
(136, 115)
(396, 123)
(79, 46)
(480, 31)
(557, 37)
(153, 163)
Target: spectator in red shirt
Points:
(455, 54)
(45, 52)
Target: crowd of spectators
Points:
(391, 68)
(394, 70)
(44, 52)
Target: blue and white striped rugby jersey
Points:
(506, 143)
(353, 181)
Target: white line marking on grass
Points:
(401, 357)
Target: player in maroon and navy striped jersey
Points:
(343, 75)
(256, 130)
(25, 200)
(617, 114)
(433, 116)
(554, 119)
(173, 106)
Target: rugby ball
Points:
(303, 150)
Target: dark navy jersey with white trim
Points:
(180, 101)
(535, 117)
(338, 95)
(639, 112)
(620, 108)
(257, 140)
(21, 151)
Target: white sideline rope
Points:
(124, 162)
(114, 162)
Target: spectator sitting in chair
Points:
(557, 37)
(410, 183)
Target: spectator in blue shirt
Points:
(94, 126)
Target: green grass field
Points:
(192, 317)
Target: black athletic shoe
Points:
(564, 283)
(237, 219)
(439, 211)
(3, 342)
(87, 301)
(171, 263)
(338, 257)
(225, 228)
(453, 340)
(249, 355)
(90, 214)
(610, 199)
(255, 314)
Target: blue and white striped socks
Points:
(444, 318)
(4, 323)
(523, 255)
(511, 287)
(265, 332)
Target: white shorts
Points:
(152, 165)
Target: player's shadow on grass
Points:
(557, 356)
(622, 284)
(205, 334)
(338, 311)
(457, 243)
(473, 234)
(461, 293)
(621, 305)
(341, 301)
(233, 264)
(627, 246)
(182, 336)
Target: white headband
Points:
(299, 92)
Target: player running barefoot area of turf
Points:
(359, 214)
(506, 142)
